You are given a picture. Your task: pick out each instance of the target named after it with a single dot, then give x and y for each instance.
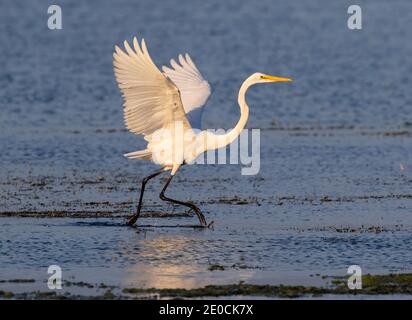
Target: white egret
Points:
(156, 102)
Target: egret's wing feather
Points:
(194, 89)
(151, 100)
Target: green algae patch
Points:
(399, 283)
(6, 294)
(389, 284)
(78, 284)
(231, 290)
(18, 281)
(371, 285)
(215, 267)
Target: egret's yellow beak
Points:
(276, 79)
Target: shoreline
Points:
(383, 286)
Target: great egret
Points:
(156, 102)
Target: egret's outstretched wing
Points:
(151, 100)
(194, 89)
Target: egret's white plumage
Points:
(194, 89)
(155, 101)
(151, 101)
(166, 108)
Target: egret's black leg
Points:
(187, 204)
(134, 218)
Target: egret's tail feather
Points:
(141, 154)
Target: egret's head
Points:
(261, 78)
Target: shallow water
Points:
(334, 187)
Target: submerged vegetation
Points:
(372, 285)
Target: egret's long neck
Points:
(225, 139)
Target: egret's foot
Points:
(200, 215)
(203, 224)
(210, 225)
(131, 221)
(207, 226)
